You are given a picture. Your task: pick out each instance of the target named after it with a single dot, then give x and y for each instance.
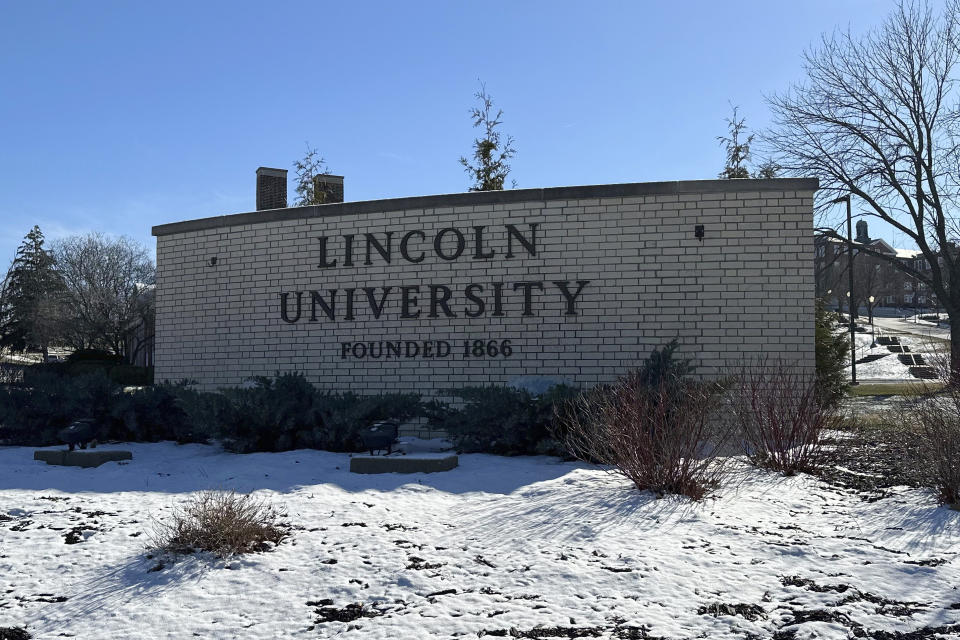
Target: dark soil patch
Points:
(930, 562)
(420, 564)
(547, 632)
(873, 458)
(749, 611)
(801, 616)
(74, 536)
(354, 611)
(620, 632)
(923, 633)
(885, 606)
(810, 585)
(14, 633)
(49, 597)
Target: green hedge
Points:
(276, 414)
(126, 375)
(501, 420)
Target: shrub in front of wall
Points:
(33, 415)
(832, 350)
(780, 417)
(655, 426)
(276, 414)
(348, 413)
(287, 412)
(167, 411)
(500, 420)
(660, 438)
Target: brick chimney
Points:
(272, 188)
(330, 186)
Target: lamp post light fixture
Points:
(873, 331)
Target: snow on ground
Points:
(888, 366)
(497, 544)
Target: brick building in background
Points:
(873, 276)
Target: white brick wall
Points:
(745, 290)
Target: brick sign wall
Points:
(424, 293)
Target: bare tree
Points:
(310, 190)
(107, 281)
(877, 119)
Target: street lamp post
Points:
(873, 331)
(853, 326)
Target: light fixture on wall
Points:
(212, 262)
(698, 232)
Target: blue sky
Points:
(117, 116)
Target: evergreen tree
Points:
(738, 152)
(32, 302)
(309, 192)
(489, 169)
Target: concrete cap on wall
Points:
(508, 196)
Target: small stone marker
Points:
(85, 459)
(402, 464)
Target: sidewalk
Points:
(899, 325)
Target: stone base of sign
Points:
(84, 459)
(402, 464)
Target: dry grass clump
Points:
(222, 522)
(781, 422)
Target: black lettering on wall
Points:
(530, 245)
(478, 253)
(528, 288)
(440, 297)
(497, 299)
(384, 252)
(324, 263)
(571, 298)
(348, 248)
(472, 297)
(377, 309)
(328, 308)
(283, 307)
(438, 244)
(408, 301)
(403, 246)
(349, 314)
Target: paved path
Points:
(909, 326)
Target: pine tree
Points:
(32, 301)
(308, 169)
(489, 169)
(738, 153)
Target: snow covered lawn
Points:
(499, 546)
(887, 366)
